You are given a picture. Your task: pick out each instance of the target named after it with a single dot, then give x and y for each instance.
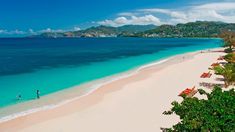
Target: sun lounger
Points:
(206, 75)
(203, 75)
(189, 92)
(221, 58)
(210, 85)
(215, 64)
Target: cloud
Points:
(132, 20)
(30, 31)
(48, 30)
(220, 11)
(17, 32)
(76, 28)
(217, 6)
(2, 31)
(224, 12)
(173, 14)
(12, 32)
(126, 14)
(155, 10)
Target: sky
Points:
(28, 17)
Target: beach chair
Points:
(206, 75)
(189, 92)
(215, 64)
(203, 75)
(221, 58)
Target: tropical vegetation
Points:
(100, 31)
(214, 114)
(217, 112)
(230, 58)
(199, 29)
(228, 73)
(229, 40)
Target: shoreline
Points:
(96, 84)
(128, 74)
(93, 86)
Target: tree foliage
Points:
(229, 39)
(230, 58)
(227, 71)
(201, 29)
(191, 29)
(216, 113)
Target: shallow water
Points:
(51, 65)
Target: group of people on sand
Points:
(19, 96)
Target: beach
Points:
(131, 104)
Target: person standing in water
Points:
(18, 97)
(38, 94)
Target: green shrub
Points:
(228, 50)
(216, 113)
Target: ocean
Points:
(51, 65)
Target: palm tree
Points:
(230, 58)
(228, 72)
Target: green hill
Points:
(192, 29)
(101, 31)
(197, 29)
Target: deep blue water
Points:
(50, 65)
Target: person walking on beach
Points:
(38, 94)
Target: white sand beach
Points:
(132, 104)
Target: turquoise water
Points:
(108, 58)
